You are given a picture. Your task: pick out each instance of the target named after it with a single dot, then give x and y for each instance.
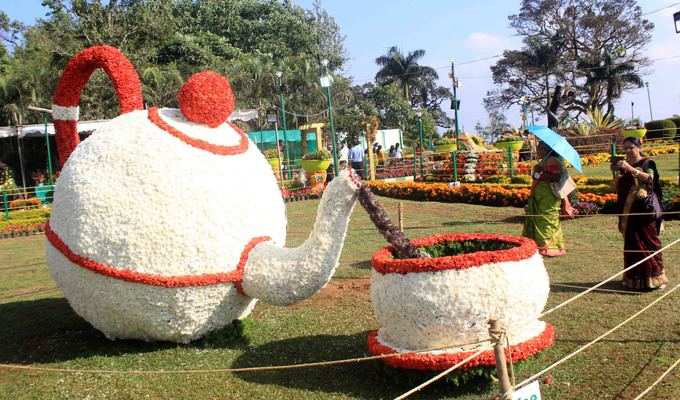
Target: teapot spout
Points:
(282, 276)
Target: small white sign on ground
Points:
(529, 392)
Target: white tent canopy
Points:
(87, 126)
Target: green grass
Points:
(40, 328)
(667, 164)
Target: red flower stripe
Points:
(442, 361)
(128, 275)
(198, 143)
(384, 262)
(67, 94)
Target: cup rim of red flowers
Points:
(384, 262)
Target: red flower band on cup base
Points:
(241, 147)
(384, 262)
(177, 281)
(443, 361)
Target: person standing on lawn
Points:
(638, 188)
(356, 158)
(548, 199)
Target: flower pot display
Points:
(445, 148)
(445, 302)
(312, 166)
(638, 133)
(514, 145)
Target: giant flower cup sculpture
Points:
(433, 297)
(168, 224)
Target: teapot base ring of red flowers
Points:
(445, 302)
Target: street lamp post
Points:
(632, 110)
(274, 120)
(676, 19)
(455, 103)
(419, 113)
(649, 101)
(326, 81)
(284, 126)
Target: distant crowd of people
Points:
(356, 155)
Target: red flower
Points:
(442, 361)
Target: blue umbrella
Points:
(558, 143)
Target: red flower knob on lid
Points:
(206, 98)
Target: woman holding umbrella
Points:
(549, 197)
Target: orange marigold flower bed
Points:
(480, 194)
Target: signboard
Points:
(529, 392)
(455, 105)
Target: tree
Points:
(169, 40)
(498, 124)
(613, 78)
(403, 70)
(583, 34)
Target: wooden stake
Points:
(497, 334)
(400, 212)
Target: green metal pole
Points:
(510, 162)
(5, 204)
(422, 146)
(49, 152)
(454, 164)
(455, 104)
(331, 124)
(284, 126)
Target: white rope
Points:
(597, 339)
(668, 371)
(444, 373)
(557, 307)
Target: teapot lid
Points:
(206, 98)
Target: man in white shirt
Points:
(344, 152)
(356, 158)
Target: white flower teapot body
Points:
(157, 213)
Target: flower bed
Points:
(480, 194)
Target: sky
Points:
(464, 31)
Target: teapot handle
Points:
(66, 100)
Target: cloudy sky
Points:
(464, 31)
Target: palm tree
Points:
(403, 70)
(614, 78)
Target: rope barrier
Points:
(557, 307)
(439, 376)
(666, 372)
(597, 339)
(232, 370)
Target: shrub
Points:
(270, 154)
(444, 140)
(318, 155)
(20, 204)
(504, 180)
(676, 121)
(660, 129)
(521, 180)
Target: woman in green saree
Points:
(550, 188)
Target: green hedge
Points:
(661, 128)
(676, 121)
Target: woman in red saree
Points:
(636, 186)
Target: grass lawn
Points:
(38, 327)
(667, 165)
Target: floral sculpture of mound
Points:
(201, 238)
(445, 302)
